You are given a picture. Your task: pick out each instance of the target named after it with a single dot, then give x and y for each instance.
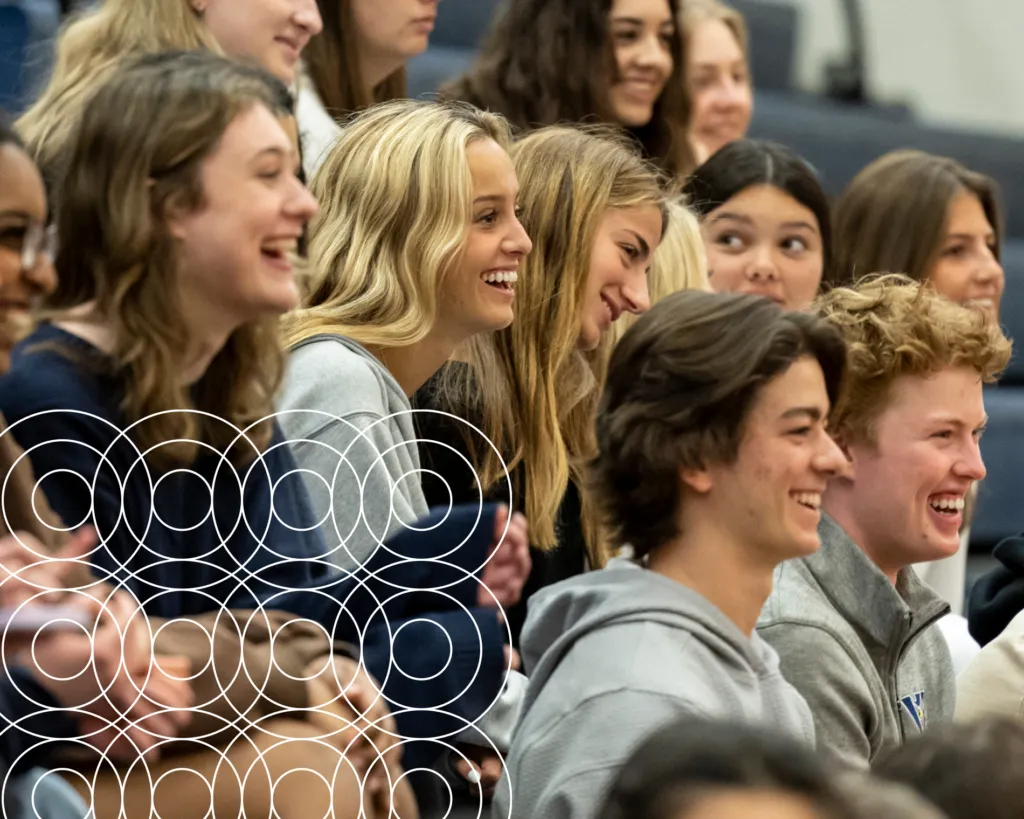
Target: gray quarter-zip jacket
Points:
(867, 656)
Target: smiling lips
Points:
(614, 311)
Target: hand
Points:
(483, 765)
(28, 569)
(509, 563)
(113, 686)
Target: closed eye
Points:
(800, 431)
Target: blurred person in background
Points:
(966, 770)
(357, 60)
(693, 768)
(765, 220)
(96, 41)
(721, 94)
(546, 62)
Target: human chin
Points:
(631, 114)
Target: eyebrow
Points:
(739, 217)
(703, 66)
(968, 236)
(636, 21)
(946, 420)
(491, 197)
(20, 214)
(814, 413)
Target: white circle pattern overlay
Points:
(152, 577)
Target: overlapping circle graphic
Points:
(249, 710)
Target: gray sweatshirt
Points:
(611, 655)
(351, 426)
(349, 423)
(867, 656)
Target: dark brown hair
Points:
(691, 757)
(966, 770)
(747, 163)
(892, 216)
(137, 154)
(680, 385)
(332, 60)
(546, 62)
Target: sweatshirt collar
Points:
(863, 594)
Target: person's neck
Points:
(85, 322)
(841, 512)
(413, 365)
(705, 560)
(376, 68)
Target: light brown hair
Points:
(893, 215)
(145, 137)
(894, 327)
(695, 12)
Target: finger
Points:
(80, 543)
(500, 524)
(490, 770)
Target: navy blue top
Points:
(242, 535)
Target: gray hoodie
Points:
(867, 656)
(611, 655)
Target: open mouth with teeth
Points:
(501, 279)
(809, 500)
(947, 506)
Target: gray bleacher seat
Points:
(27, 29)
(773, 28)
(840, 140)
(14, 41)
(460, 28)
(1000, 512)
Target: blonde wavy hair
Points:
(679, 263)
(90, 47)
(534, 390)
(151, 126)
(396, 198)
(895, 326)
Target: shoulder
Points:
(327, 375)
(44, 377)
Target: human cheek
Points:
(725, 270)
